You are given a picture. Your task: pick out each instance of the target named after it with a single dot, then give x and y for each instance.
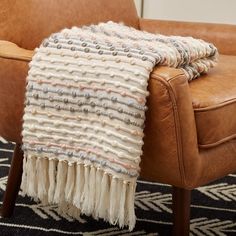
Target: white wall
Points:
(138, 6)
(215, 11)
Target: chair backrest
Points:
(27, 22)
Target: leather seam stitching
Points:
(163, 81)
(221, 141)
(205, 109)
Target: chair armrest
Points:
(10, 50)
(223, 36)
(170, 141)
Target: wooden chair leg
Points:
(181, 211)
(13, 183)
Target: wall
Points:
(138, 4)
(215, 11)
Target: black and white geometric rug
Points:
(213, 211)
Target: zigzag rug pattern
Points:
(213, 211)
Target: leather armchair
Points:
(190, 132)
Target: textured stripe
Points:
(85, 110)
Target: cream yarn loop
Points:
(85, 111)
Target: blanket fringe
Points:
(79, 188)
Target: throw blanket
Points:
(85, 111)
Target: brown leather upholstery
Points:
(170, 133)
(172, 146)
(171, 150)
(175, 128)
(214, 103)
(27, 22)
(222, 35)
(12, 89)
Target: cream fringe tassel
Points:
(79, 188)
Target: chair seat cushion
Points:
(214, 103)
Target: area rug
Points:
(213, 211)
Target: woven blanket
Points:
(85, 111)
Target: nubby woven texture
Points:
(85, 111)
